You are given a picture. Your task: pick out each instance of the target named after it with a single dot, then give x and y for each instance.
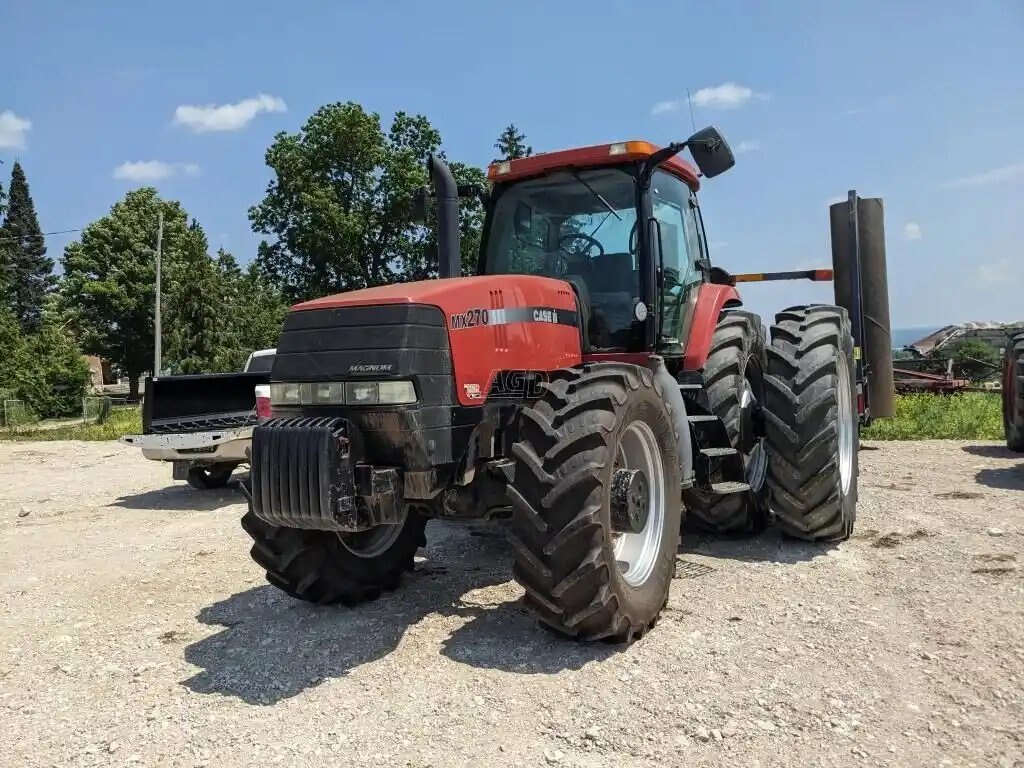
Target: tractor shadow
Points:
(767, 547)
(180, 497)
(1006, 478)
(1009, 478)
(271, 647)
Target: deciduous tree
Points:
(109, 279)
(339, 206)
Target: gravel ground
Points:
(136, 631)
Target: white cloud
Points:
(911, 231)
(747, 146)
(13, 130)
(666, 106)
(153, 170)
(725, 96)
(226, 117)
(996, 272)
(994, 176)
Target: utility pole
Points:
(157, 356)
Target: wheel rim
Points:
(637, 553)
(374, 542)
(845, 426)
(750, 443)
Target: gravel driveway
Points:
(136, 631)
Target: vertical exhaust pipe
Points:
(446, 195)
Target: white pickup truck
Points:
(203, 423)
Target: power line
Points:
(45, 234)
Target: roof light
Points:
(504, 167)
(618, 149)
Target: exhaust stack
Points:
(446, 195)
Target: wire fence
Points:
(96, 410)
(16, 413)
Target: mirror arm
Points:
(659, 157)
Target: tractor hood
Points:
(458, 294)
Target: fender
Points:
(711, 300)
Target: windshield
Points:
(579, 226)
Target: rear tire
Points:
(318, 566)
(736, 360)
(1013, 394)
(210, 477)
(811, 423)
(567, 557)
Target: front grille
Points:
(376, 342)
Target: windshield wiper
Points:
(604, 202)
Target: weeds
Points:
(965, 416)
(122, 421)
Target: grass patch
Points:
(965, 416)
(122, 421)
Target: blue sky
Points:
(920, 103)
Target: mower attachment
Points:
(303, 476)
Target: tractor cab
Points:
(620, 223)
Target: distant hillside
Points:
(901, 337)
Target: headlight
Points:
(343, 393)
(284, 394)
(380, 392)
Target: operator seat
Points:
(613, 273)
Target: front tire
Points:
(811, 423)
(599, 422)
(1013, 394)
(205, 478)
(734, 388)
(326, 567)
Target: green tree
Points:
(108, 290)
(13, 344)
(60, 373)
(972, 359)
(339, 205)
(511, 144)
(256, 311)
(44, 369)
(195, 319)
(29, 271)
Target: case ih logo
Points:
(469, 319)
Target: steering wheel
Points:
(592, 242)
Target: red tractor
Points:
(593, 381)
(1013, 393)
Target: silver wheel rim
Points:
(374, 542)
(637, 553)
(846, 425)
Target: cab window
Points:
(671, 201)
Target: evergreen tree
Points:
(511, 145)
(29, 271)
(5, 277)
(255, 309)
(195, 313)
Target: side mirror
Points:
(418, 212)
(711, 152)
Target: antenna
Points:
(689, 101)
